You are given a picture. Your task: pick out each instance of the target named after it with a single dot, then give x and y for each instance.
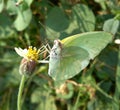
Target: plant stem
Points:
(116, 106)
(23, 79)
(77, 101)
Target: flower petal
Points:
(21, 52)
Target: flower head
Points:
(30, 57)
(30, 54)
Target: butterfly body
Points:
(55, 55)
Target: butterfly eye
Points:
(58, 43)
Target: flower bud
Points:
(27, 66)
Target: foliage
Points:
(40, 21)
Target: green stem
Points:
(116, 106)
(27, 85)
(77, 101)
(20, 92)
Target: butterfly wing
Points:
(76, 53)
(92, 42)
(72, 61)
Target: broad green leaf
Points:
(82, 20)
(71, 62)
(23, 18)
(58, 25)
(105, 64)
(111, 26)
(84, 17)
(92, 42)
(57, 20)
(11, 7)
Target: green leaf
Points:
(13, 77)
(92, 42)
(43, 98)
(52, 34)
(23, 18)
(47, 103)
(57, 20)
(105, 64)
(111, 26)
(29, 2)
(58, 25)
(1, 5)
(97, 104)
(84, 18)
(5, 29)
(35, 98)
(11, 7)
(102, 4)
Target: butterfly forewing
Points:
(92, 42)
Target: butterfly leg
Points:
(48, 48)
(43, 49)
(43, 61)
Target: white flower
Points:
(117, 41)
(21, 52)
(30, 54)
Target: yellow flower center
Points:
(33, 53)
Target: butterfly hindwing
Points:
(72, 61)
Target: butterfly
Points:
(70, 56)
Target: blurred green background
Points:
(37, 22)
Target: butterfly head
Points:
(57, 43)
